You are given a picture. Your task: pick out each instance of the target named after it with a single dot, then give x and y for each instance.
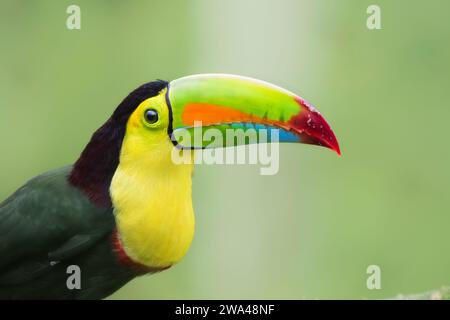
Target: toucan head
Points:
(154, 119)
(228, 102)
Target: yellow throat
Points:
(152, 196)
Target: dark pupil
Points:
(151, 116)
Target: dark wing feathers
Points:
(74, 246)
(47, 220)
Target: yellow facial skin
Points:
(152, 195)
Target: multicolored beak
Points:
(225, 102)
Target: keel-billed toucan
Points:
(124, 208)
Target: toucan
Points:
(124, 208)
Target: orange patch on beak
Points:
(210, 114)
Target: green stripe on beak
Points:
(228, 102)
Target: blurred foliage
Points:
(308, 232)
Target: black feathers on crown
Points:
(131, 102)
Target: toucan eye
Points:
(151, 116)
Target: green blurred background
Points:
(311, 230)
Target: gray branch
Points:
(438, 294)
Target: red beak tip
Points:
(313, 126)
(335, 146)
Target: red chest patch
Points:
(125, 260)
